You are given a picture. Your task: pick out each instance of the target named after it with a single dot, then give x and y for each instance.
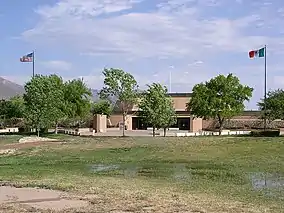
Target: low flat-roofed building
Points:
(184, 118)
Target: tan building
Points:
(184, 119)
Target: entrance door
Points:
(183, 123)
(137, 123)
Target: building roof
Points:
(180, 94)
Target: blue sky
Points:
(195, 40)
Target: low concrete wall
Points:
(69, 132)
(9, 130)
(208, 133)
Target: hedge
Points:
(267, 133)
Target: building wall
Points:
(116, 119)
(180, 103)
(196, 124)
(247, 115)
(100, 123)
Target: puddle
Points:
(104, 168)
(261, 181)
(178, 172)
(181, 173)
(126, 170)
(131, 171)
(272, 185)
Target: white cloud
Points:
(180, 30)
(57, 65)
(176, 28)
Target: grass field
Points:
(144, 174)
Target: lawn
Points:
(144, 174)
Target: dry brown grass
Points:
(135, 196)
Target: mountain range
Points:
(9, 89)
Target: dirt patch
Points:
(35, 139)
(7, 151)
(39, 198)
(28, 145)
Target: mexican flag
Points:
(257, 53)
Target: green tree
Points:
(44, 101)
(102, 107)
(13, 108)
(156, 108)
(77, 98)
(123, 86)
(274, 105)
(12, 111)
(220, 98)
(18, 107)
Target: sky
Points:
(177, 43)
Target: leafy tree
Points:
(102, 107)
(13, 108)
(123, 86)
(18, 107)
(169, 116)
(220, 98)
(77, 98)
(156, 108)
(12, 111)
(274, 105)
(44, 100)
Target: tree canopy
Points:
(274, 105)
(77, 97)
(156, 108)
(123, 86)
(44, 100)
(220, 98)
(102, 107)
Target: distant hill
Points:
(96, 96)
(9, 89)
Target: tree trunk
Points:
(221, 122)
(154, 131)
(165, 132)
(56, 128)
(220, 130)
(123, 123)
(38, 129)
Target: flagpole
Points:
(265, 87)
(170, 81)
(33, 64)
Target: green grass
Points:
(9, 139)
(217, 167)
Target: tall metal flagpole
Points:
(33, 63)
(170, 81)
(170, 78)
(265, 86)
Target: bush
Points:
(267, 133)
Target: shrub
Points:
(267, 133)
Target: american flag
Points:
(27, 58)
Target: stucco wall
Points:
(115, 119)
(180, 103)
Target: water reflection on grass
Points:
(268, 183)
(177, 172)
